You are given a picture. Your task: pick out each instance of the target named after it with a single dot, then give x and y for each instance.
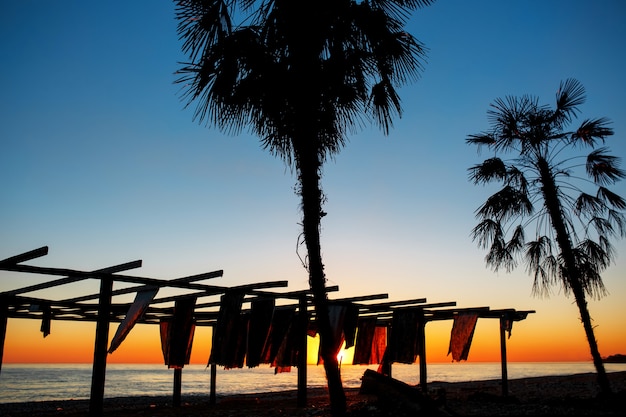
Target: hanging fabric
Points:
(507, 323)
(350, 322)
(343, 317)
(364, 341)
(281, 321)
(46, 319)
(289, 350)
(461, 335)
(226, 330)
(239, 343)
(261, 312)
(135, 313)
(177, 334)
(403, 341)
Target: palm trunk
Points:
(309, 168)
(573, 274)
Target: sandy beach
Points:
(541, 396)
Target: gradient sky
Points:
(102, 163)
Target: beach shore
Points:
(541, 396)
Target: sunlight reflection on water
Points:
(37, 382)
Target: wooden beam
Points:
(26, 256)
(98, 375)
(68, 280)
(130, 290)
(3, 327)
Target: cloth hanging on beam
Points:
(350, 322)
(461, 335)
(379, 344)
(177, 334)
(289, 350)
(240, 342)
(403, 341)
(281, 321)
(507, 323)
(261, 312)
(226, 330)
(46, 319)
(343, 317)
(371, 341)
(135, 313)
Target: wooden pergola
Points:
(99, 308)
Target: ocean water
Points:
(44, 382)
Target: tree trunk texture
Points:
(312, 213)
(565, 244)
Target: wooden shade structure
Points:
(14, 304)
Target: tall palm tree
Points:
(301, 76)
(546, 189)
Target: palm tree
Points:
(301, 76)
(546, 189)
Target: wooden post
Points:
(4, 316)
(213, 381)
(302, 352)
(178, 383)
(421, 340)
(98, 373)
(505, 377)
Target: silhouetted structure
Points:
(187, 312)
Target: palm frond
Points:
(516, 243)
(571, 94)
(505, 204)
(604, 168)
(485, 232)
(588, 204)
(601, 225)
(590, 260)
(596, 253)
(618, 221)
(490, 170)
(498, 256)
(592, 131)
(544, 277)
(482, 139)
(611, 198)
(537, 251)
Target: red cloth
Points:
(177, 334)
(461, 335)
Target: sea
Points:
(50, 382)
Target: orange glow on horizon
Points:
(73, 342)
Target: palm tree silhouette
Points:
(545, 190)
(301, 76)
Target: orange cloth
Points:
(461, 335)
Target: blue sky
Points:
(101, 161)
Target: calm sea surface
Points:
(38, 382)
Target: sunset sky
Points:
(102, 163)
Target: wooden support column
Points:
(505, 377)
(303, 323)
(178, 384)
(421, 345)
(4, 316)
(213, 381)
(98, 373)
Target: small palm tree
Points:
(546, 190)
(301, 76)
